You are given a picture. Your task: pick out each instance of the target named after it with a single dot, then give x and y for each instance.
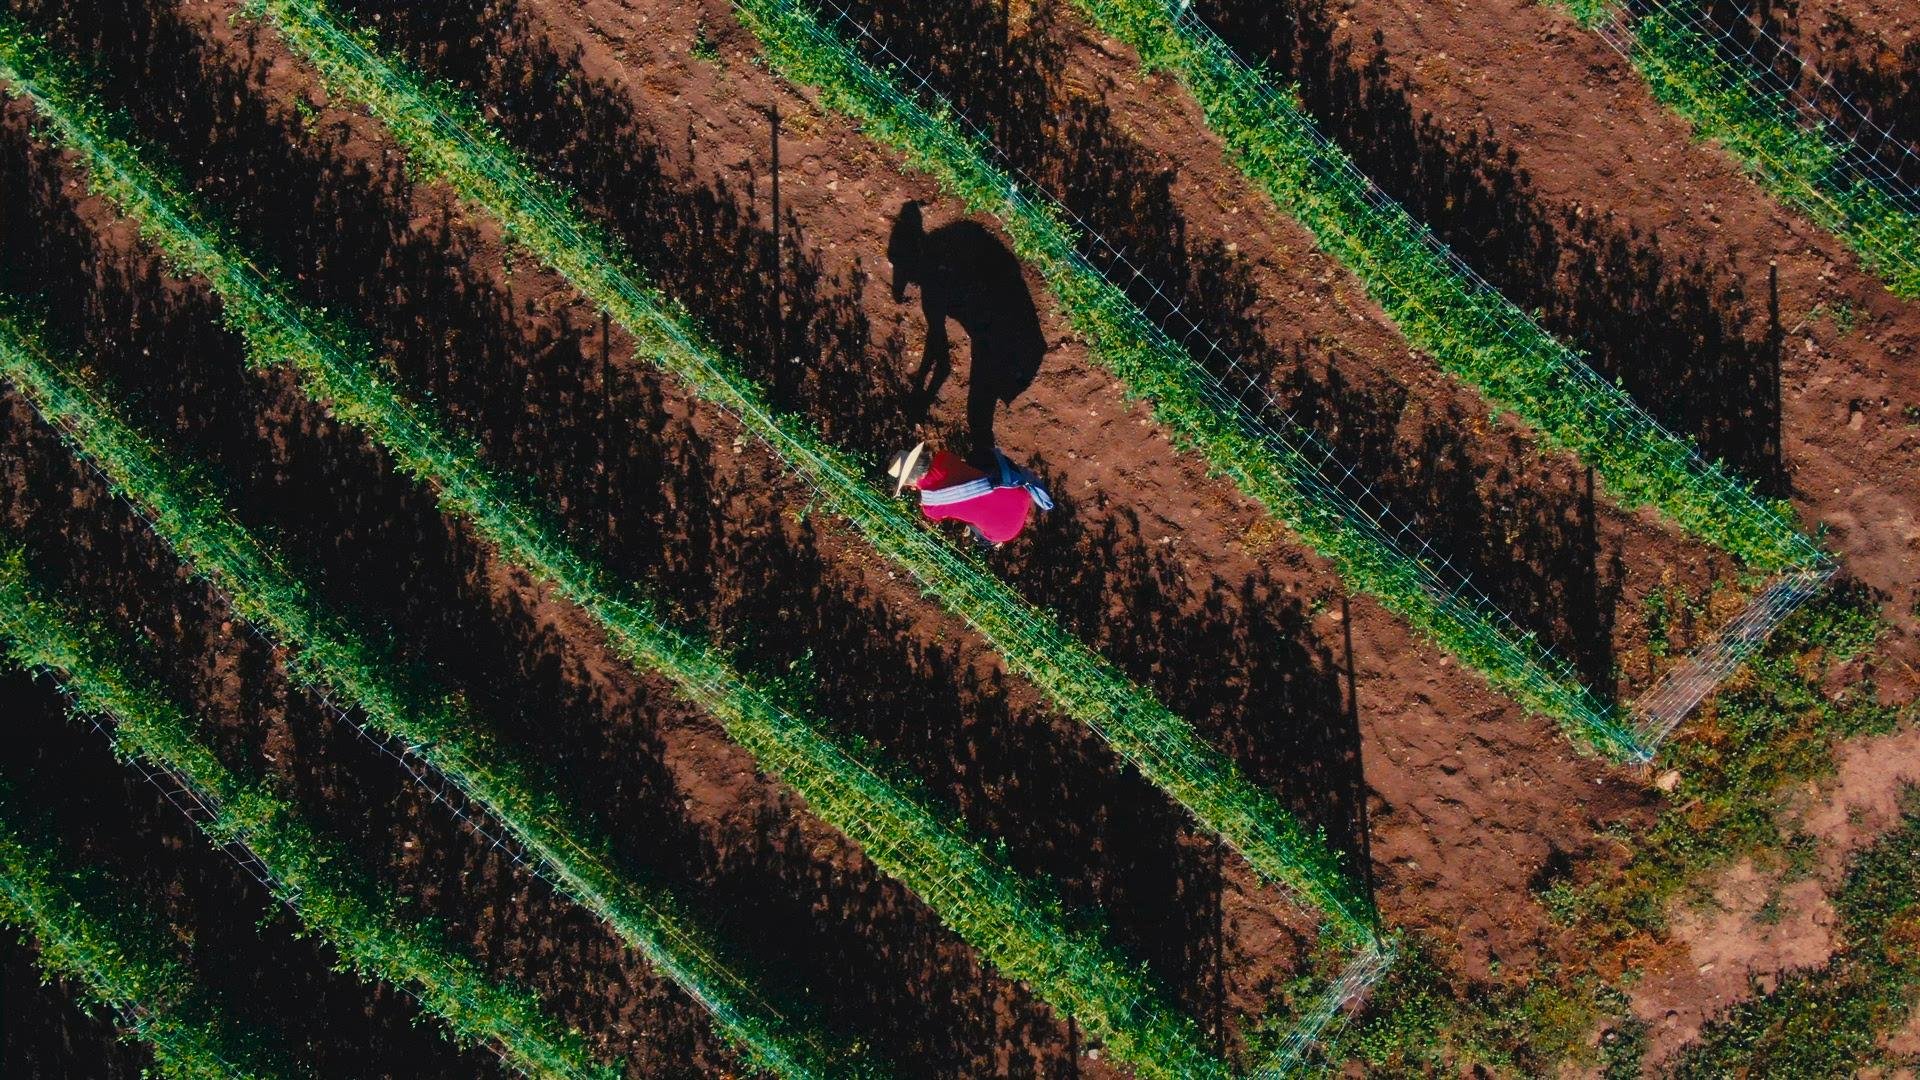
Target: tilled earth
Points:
(1656, 256)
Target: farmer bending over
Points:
(996, 501)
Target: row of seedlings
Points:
(325, 653)
(313, 875)
(447, 140)
(1441, 306)
(1694, 68)
(1016, 924)
(118, 959)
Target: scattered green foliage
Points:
(1773, 910)
(1828, 1021)
(1421, 1022)
(1018, 924)
(1840, 313)
(315, 876)
(447, 139)
(309, 116)
(1623, 1049)
(1775, 726)
(1470, 329)
(1405, 1016)
(1770, 726)
(704, 47)
(119, 958)
(1675, 617)
(1803, 162)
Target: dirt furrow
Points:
(239, 943)
(612, 127)
(1539, 154)
(1132, 154)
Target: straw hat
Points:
(902, 467)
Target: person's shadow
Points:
(966, 274)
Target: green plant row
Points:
(1803, 162)
(1473, 331)
(1018, 924)
(446, 139)
(323, 651)
(316, 876)
(1287, 473)
(119, 959)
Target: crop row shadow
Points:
(652, 514)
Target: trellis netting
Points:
(1606, 410)
(1012, 919)
(1206, 396)
(447, 138)
(267, 837)
(1445, 306)
(913, 113)
(1801, 138)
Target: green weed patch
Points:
(1829, 1021)
(1773, 727)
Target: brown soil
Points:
(1489, 119)
(234, 684)
(771, 871)
(65, 785)
(1749, 928)
(1461, 835)
(1861, 801)
(1464, 802)
(527, 667)
(770, 868)
(1906, 1041)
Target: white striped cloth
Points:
(1010, 475)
